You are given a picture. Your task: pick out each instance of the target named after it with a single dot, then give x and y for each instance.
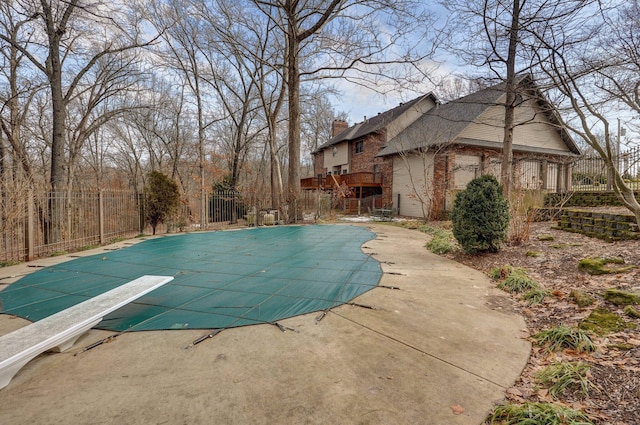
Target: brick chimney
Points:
(338, 126)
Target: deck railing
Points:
(351, 180)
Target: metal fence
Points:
(590, 172)
(43, 224)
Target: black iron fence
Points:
(590, 172)
(47, 223)
(41, 224)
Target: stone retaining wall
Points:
(583, 199)
(601, 225)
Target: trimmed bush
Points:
(480, 216)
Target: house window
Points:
(334, 151)
(359, 146)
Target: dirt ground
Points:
(551, 257)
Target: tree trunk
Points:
(293, 85)
(58, 136)
(274, 161)
(506, 174)
(276, 179)
(57, 177)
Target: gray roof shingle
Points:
(374, 124)
(445, 122)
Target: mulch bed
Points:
(614, 398)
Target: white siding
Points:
(488, 126)
(408, 117)
(535, 129)
(412, 182)
(532, 127)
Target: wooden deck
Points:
(357, 201)
(362, 179)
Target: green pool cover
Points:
(221, 279)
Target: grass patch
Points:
(602, 321)
(560, 337)
(411, 224)
(622, 346)
(499, 273)
(442, 241)
(559, 377)
(535, 296)
(545, 238)
(564, 245)
(599, 266)
(537, 414)
(516, 281)
(58, 253)
(8, 263)
(534, 254)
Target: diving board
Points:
(61, 330)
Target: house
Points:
(349, 160)
(425, 161)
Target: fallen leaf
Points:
(457, 409)
(514, 392)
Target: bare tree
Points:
(102, 99)
(503, 36)
(181, 48)
(593, 68)
(78, 32)
(318, 114)
(339, 38)
(125, 153)
(16, 96)
(64, 42)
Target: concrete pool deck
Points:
(441, 349)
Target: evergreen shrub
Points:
(162, 198)
(480, 216)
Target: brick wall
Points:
(441, 177)
(366, 160)
(444, 175)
